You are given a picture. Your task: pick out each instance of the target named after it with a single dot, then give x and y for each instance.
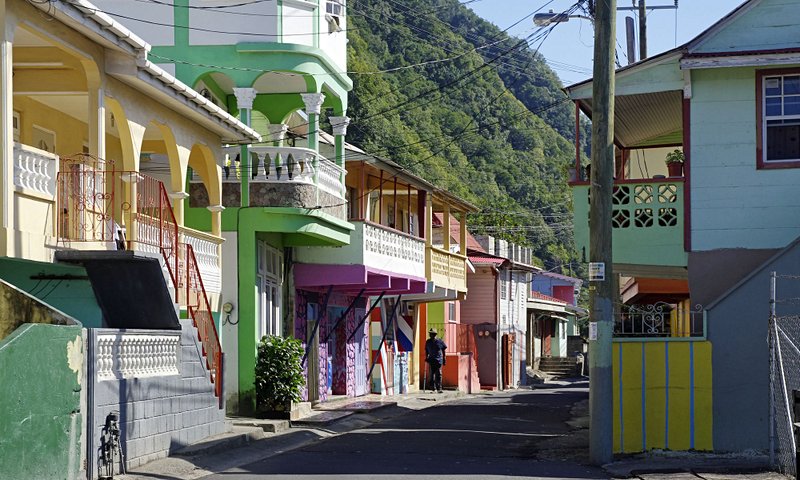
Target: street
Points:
(516, 434)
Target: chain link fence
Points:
(784, 343)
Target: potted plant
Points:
(279, 376)
(674, 162)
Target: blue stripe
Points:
(691, 395)
(621, 418)
(644, 401)
(666, 396)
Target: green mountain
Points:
(481, 115)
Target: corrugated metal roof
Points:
(542, 296)
(647, 118)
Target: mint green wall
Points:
(251, 59)
(734, 205)
(764, 27)
(41, 375)
(74, 297)
(655, 245)
(661, 76)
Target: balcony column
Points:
(462, 235)
(428, 235)
(446, 228)
(244, 100)
(97, 122)
(6, 133)
(216, 219)
(277, 133)
(313, 103)
(339, 125)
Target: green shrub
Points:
(279, 375)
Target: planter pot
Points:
(675, 169)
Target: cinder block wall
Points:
(158, 414)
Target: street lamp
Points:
(545, 19)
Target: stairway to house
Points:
(474, 381)
(559, 366)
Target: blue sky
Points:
(569, 47)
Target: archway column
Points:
(339, 125)
(313, 103)
(244, 101)
(277, 133)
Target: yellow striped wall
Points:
(662, 395)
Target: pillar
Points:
(6, 135)
(244, 101)
(339, 125)
(97, 122)
(446, 228)
(462, 235)
(313, 103)
(277, 133)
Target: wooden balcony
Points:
(647, 221)
(446, 269)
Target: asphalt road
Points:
(515, 434)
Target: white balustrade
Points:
(206, 253)
(390, 250)
(284, 165)
(136, 355)
(35, 170)
(329, 177)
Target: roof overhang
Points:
(127, 60)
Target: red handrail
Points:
(199, 310)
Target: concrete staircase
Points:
(559, 367)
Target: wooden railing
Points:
(446, 269)
(199, 309)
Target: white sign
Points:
(597, 271)
(592, 330)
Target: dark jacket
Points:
(434, 351)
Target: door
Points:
(547, 337)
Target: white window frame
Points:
(269, 290)
(765, 117)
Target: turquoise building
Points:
(694, 242)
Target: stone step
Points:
(267, 425)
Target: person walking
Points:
(434, 355)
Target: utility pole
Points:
(642, 30)
(602, 287)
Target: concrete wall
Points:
(42, 379)
(158, 414)
(737, 325)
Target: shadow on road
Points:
(518, 433)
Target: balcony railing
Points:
(288, 165)
(206, 250)
(136, 354)
(199, 309)
(35, 170)
(97, 204)
(381, 248)
(647, 220)
(446, 269)
(659, 320)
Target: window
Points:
(451, 311)
(503, 285)
(269, 273)
(779, 119)
(335, 7)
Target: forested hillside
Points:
(483, 116)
